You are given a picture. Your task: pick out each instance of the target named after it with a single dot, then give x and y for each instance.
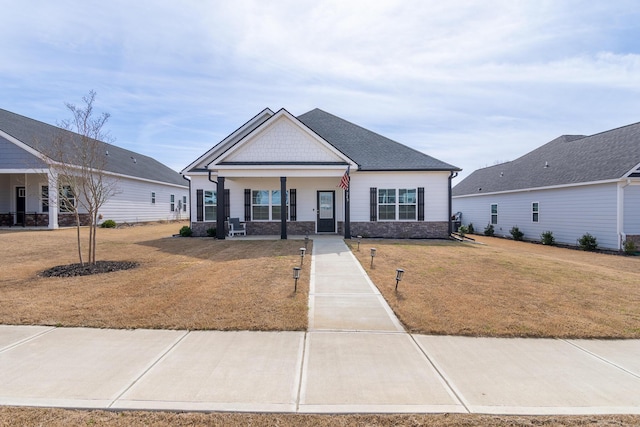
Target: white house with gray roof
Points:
(146, 190)
(277, 163)
(570, 186)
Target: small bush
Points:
(186, 231)
(489, 230)
(211, 232)
(109, 223)
(588, 242)
(516, 233)
(547, 238)
(470, 228)
(462, 230)
(630, 247)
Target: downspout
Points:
(452, 175)
(189, 180)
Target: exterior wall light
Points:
(373, 255)
(296, 276)
(399, 274)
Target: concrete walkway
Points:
(355, 357)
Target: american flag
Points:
(344, 182)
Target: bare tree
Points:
(79, 158)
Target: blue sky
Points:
(470, 83)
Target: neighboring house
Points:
(146, 190)
(281, 174)
(570, 186)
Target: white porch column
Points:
(53, 199)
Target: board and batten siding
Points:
(568, 212)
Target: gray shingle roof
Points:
(570, 159)
(371, 151)
(40, 136)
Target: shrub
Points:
(186, 231)
(109, 223)
(489, 230)
(470, 228)
(462, 230)
(516, 233)
(547, 238)
(211, 232)
(629, 247)
(588, 242)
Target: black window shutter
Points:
(199, 205)
(247, 204)
(227, 204)
(293, 214)
(420, 203)
(373, 204)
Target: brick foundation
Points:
(401, 230)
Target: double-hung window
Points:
(210, 206)
(67, 199)
(153, 197)
(535, 211)
(266, 205)
(172, 201)
(407, 204)
(44, 198)
(184, 203)
(397, 204)
(494, 213)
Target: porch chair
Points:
(236, 227)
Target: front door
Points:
(20, 205)
(326, 212)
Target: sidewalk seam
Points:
(26, 340)
(147, 369)
(602, 359)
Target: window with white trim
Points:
(535, 211)
(184, 203)
(210, 206)
(67, 199)
(153, 197)
(44, 199)
(266, 205)
(397, 204)
(494, 213)
(172, 200)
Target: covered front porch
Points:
(25, 201)
(271, 205)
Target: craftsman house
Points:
(317, 173)
(146, 190)
(570, 186)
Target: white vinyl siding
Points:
(568, 212)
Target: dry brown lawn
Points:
(503, 288)
(181, 283)
(61, 417)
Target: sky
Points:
(471, 83)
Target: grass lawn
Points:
(503, 288)
(181, 283)
(499, 288)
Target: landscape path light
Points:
(373, 254)
(296, 276)
(359, 239)
(306, 240)
(302, 251)
(399, 274)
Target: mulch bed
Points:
(87, 269)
